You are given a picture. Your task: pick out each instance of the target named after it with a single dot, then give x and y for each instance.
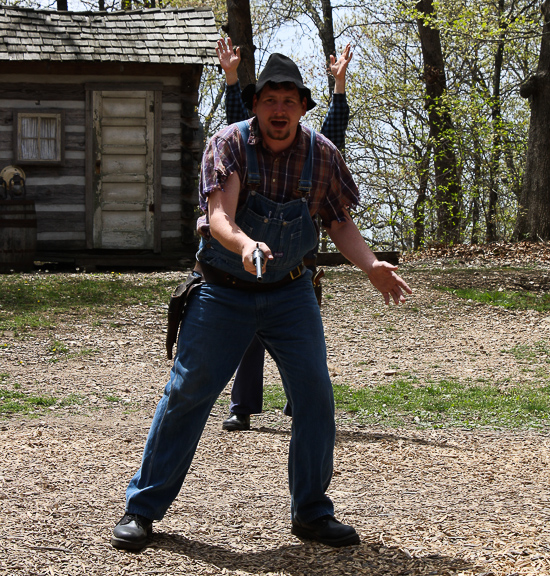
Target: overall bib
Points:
(218, 325)
(286, 228)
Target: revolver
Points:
(258, 259)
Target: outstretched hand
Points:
(383, 277)
(229, 59)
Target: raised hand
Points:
(229, 59)
(339, 67)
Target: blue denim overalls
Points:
(286, 228)
(218, 326)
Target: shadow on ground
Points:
(313, 559)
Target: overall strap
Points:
(251, 158)
(306, 182)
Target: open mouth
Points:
(279, 124)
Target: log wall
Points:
(59, 192)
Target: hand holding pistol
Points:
(258, 259)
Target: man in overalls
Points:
(261, 183)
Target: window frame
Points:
(59, 115)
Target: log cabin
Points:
(98, 110)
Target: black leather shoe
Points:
(131, 532)
(326, 530)
(236, 422)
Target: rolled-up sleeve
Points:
(220, 159)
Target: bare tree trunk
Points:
(239, 29)
(448, 194)
(62, 5)
(534, 208)
(476, 188)
(496, 119)
(422, 162)
(491, 224)
(419, 210)
(325, 26)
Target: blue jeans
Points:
(247, 392)
(218, 326)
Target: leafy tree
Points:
(489, 43)
(534, 214)
(481, 99)
(448, 193)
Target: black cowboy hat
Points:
(278, 69)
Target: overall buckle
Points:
(296, 273)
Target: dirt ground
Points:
(425, 502)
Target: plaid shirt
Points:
(336, 122)
(334, 127)
(333, 189)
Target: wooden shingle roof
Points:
(168, 36)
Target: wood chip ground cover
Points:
(425, 502)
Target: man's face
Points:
(279, 112)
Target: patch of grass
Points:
(60, 351)
(536, 352)
(506, 299)
(451, 403)
(57, 347)
(11, 402)
(274, 397)
(437, 404)
(14, 401)
(32, 301)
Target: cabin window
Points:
(39, 138)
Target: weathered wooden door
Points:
(123, 131)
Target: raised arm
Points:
(229, 59)
(337, 118)
(350, 243)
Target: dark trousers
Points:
(247, 393)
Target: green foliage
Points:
(488, 49)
